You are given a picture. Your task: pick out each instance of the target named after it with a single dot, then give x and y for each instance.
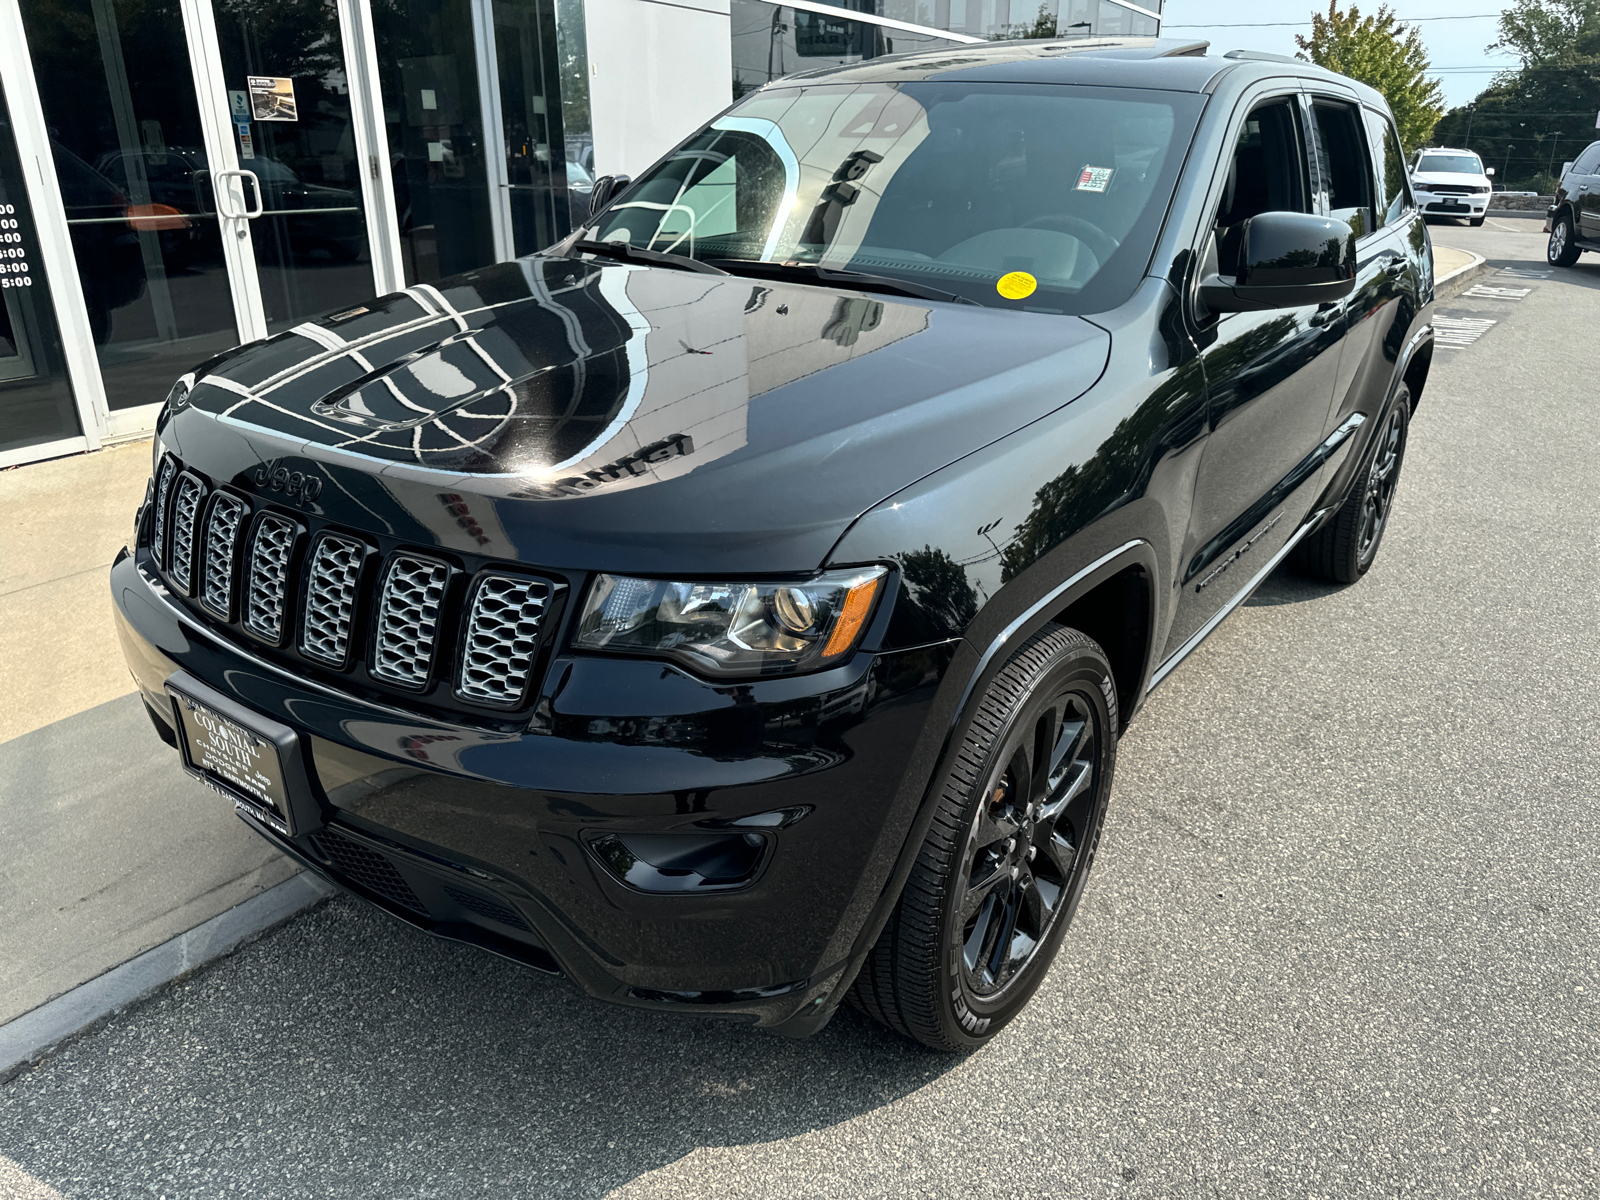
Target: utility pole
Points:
(1472, 112)
(1504, 165)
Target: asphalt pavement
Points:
(1341, 940)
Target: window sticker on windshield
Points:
(1016, 285)
(1094, 179)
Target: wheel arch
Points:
(1112, 599)
(1415, 372)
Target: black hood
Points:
(602, 415)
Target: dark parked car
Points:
(736, 608)
(1573, 221)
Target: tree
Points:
(1383, 54)
(1531, 119)
(1551, 31)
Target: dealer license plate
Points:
(240, 763)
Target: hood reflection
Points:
(567, 377)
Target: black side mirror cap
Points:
(1286, 260)
(605, 188)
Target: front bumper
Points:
(488, 836)
(1452, 205)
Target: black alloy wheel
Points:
(1378, 496)
(1346, 546)
(1005, 861)
(1563, 249)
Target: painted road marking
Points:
(1524, 273)
(1484, 292)
(1460, 331)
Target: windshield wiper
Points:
(817, 273)
(640, 254)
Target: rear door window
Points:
(1394, 192)
(1344, 175)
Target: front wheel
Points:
(1347, 545)
(1475, 222)
(1005, 860)
(1563, 248)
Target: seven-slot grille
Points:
(408, 620)
(313, 594)
(222, 535)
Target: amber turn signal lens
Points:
(851, 618)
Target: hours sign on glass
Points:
(13, 259)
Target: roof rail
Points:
(1263, 56)
(1187, 50)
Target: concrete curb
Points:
(27, 1039)
(1448, 287)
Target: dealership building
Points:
(176, 178)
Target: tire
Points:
(1475, 222)
(1563, 248)
(1346, 546)
(1005, 860)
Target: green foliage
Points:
(1532, 119)
(1551, 31)
(1383, 54)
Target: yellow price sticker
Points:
(1016, 285)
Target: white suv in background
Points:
(1451, 183)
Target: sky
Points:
(1455, 47)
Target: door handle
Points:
(247, 214)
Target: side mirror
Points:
(1488, 170)
(606, 187)
(1565, 167)
(1286, 260)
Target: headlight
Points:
(733, 628)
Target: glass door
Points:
(292, 127)
(125, 136)
(36, 403)
(533, 141)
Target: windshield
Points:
(1451, 164)
(1019, 196)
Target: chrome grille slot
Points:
(158, 522)
(268, 576)
(185, 517)
(330, 598)
(222, 536)
(408, 620)
(502, 632)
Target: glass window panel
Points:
(427, 70)
(310, 242)
(535, 140)
(770, 41)
(118, 95)
(35, 398)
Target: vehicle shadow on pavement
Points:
(346, 1054)
(1288, 586)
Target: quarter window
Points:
(1344, 178)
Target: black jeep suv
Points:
(735, 608)
(1573, 221)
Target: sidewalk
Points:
(107, 848)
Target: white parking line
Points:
(1460, 331)
(1483, 292)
